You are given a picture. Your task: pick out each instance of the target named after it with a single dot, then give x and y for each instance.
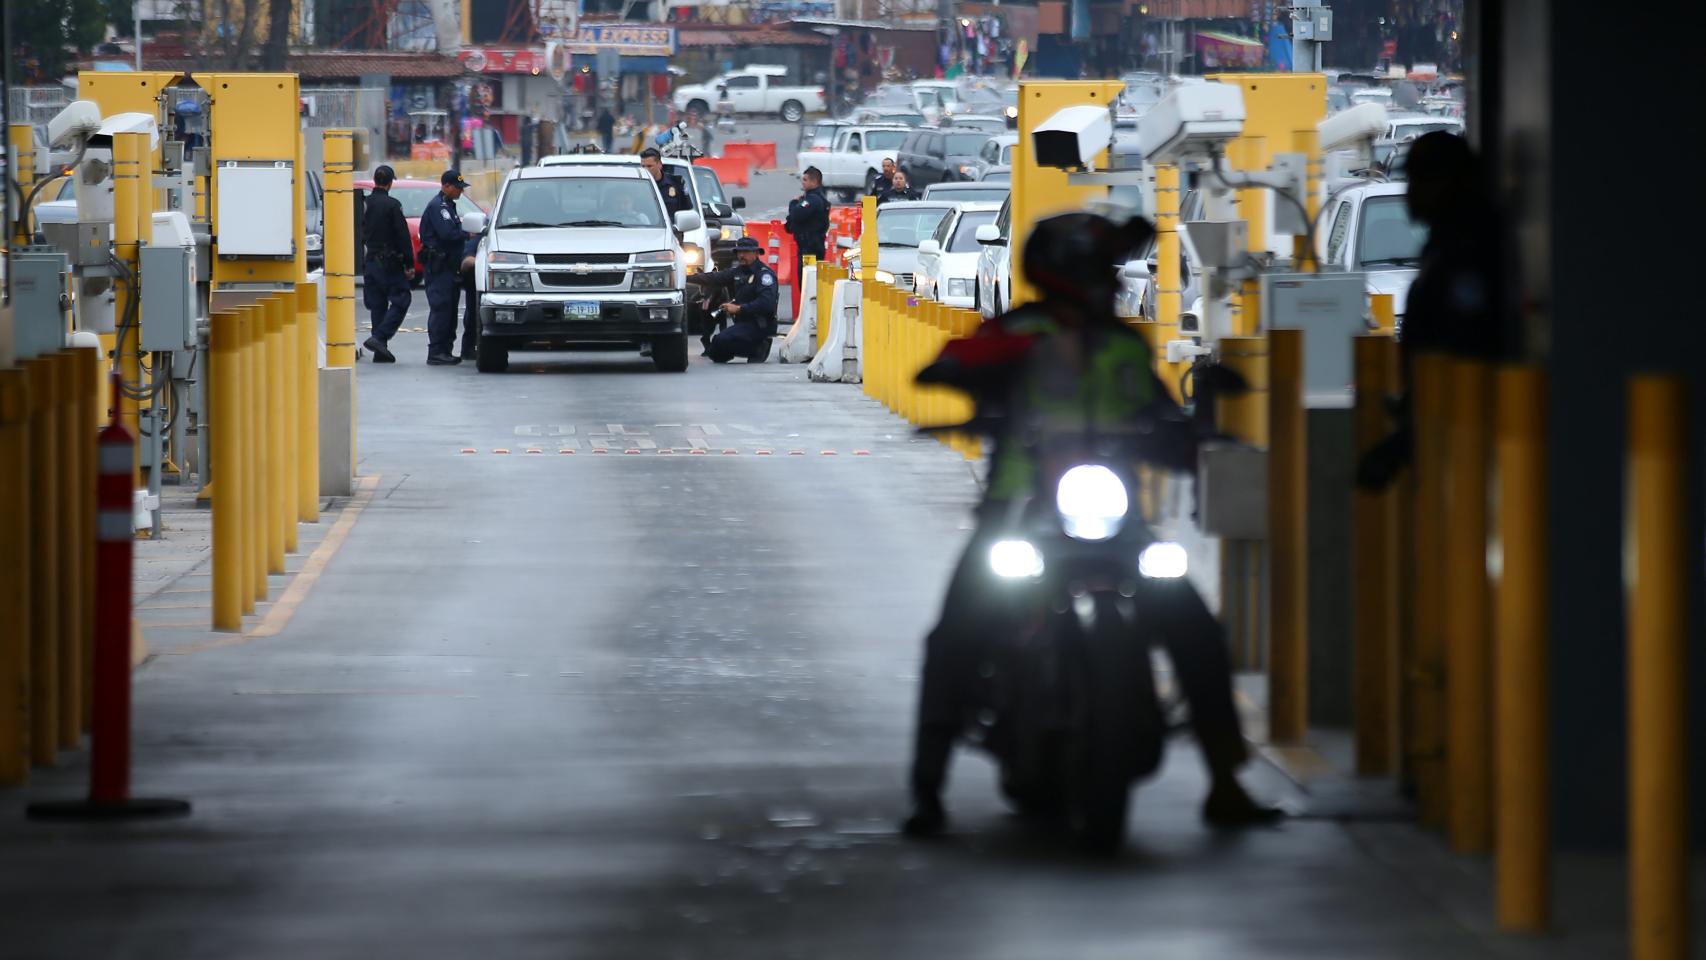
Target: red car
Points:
(413, 196)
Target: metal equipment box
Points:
(168, 298)
(256, 210)
(1331, 309)
(87, 242)
(39, 301)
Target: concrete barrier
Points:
(841, 345)
(762, 156)
(797, 345)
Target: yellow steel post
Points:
(1521, 772)
(1308, 143)
(340, 249)
(1425, 670)
(16, 594)
(1658, 567)
(45, 489)
(285, 305)
(1040, 191)
(91, 412)
(1288, 541)
(868, 295)
(273, 430)
(1380, 306)
(1375, 560)
(308, 402)
(21, 137)
(254, 477)
(129, 169)
(1168, 282)
(225, 449)
(1468, 659)
(69, 468)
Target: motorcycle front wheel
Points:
(1104, 662)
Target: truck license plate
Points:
(581, 310)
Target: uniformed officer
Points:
(474, 225)
(389, 264)
(885, 180)
(808, 219)
(752, 310)
(899, 189)
(442, 243)
(671, 187)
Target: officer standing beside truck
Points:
(387, 266)
(442, 243)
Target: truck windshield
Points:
(581, 202)
(964, 239)
(884, 139)
(1388, 237)
(710, 188)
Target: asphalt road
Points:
(650, 703)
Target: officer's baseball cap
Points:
(748, 243)
(453, 178)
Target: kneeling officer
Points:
(753, 309)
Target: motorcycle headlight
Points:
(1092, 502)
(1163, 560)
(1015, 559)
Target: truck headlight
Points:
(1163, 560)
(1015, 559)
(733, 232)
(496, 258)
(654, 279)
(1092, 502)
(883, 276)
(511, 280)
(694, 257)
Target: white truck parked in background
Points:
(754, 89)
(855, 159)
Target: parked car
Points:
(973, 121)
(933, 156)
(1369, 229)
(852, 163)
(947, 262)
(901, 227)
(753, 89)
(412, 196)
(583, 254)
(818, 134)
(970, 191)
(994, 288)
(995, 155)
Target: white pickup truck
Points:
(855, 157)
(755, 89)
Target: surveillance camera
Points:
(1361, 123)
(1073, 137)
(78, 121)
(131, 123)
(1190, 122)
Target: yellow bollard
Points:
(340, 249)
(70, 469)
(271, 433)
(1425, 668)
(1288, 541)
(308, 401)
(45, 489)
(1659, 563)
(289, 427)
(1380, 306)
(91, 414)
(1521, 772)
(21, 138)
(225, 447)
(1375, 559)
(1468, 657)
(16, 594)
(254, 458)
(130, 151)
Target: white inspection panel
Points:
(255, 212)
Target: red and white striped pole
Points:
(115, 539)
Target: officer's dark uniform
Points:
(471, 300)
(883, 184)
(675, 196)
(897, 193)
(442, 242)
(808, 221)
(756, 291)
(385, 281)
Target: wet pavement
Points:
(645, 693)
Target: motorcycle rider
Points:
(1063, 356)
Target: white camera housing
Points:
(131, 123)
(1073, 137)
(78, 121)
(1357, 127)
(1191, 122)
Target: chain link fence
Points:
(37, 105)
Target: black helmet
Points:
(1075, 255)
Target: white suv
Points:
(582, 254)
